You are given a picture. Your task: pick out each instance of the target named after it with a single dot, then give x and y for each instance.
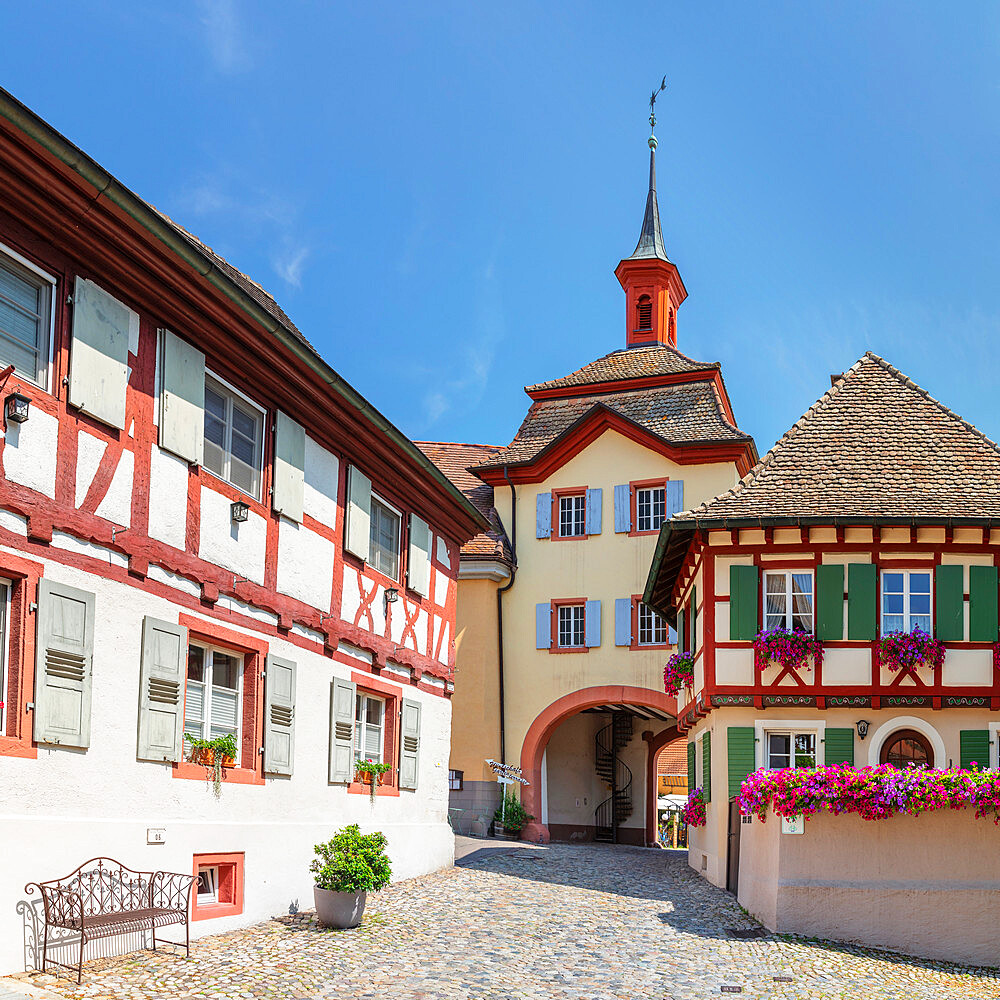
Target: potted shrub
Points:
(512, 816)
(216, 754)
(370, 773)
(346, 869)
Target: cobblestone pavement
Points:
(578, 922)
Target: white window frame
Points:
(582, 608)
(212, 896)
(259, 456)
(650, 526)
(360, 725)
(656, 619)
(789, 597)
(210, 649)
(907, 614)
(762, 727)
(376, 498)
(44, 356)
(577, 514)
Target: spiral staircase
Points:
(618, 805)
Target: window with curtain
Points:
(212, 702)
(788, 600)
(906, 601)
(369, 728)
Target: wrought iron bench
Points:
(103, 898)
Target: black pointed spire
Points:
(650, 243)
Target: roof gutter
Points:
(114, 191)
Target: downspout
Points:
(500, 592)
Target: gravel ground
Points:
(583, 921)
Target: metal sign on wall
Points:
(508, 774)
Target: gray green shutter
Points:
(279, 716)
(706, 767)
(543, 515)
(623, 508)
(342, 699)
(862, 602)
(98, 361)
(681, 634)
(982, 603)
(949, 594)
(418, 556)
(743, 583)
(839, 746)
(161, 690)
(693, 621)
(288, 491)
(358, 522)
(739, 756)
(829, 603)
(182, 398)
(64, 663)
(974, 745)
(691, 774)
(409, 744)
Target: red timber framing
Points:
(61, 213)
(887, 556)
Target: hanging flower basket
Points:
(678, 673)
(693, 811)
(873, 793)
(909, 650)
(792, 649)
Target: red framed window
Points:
(218, 887)
(376, 715)
(649, 630)
(569, 513)
(569, 621)
(648, 499)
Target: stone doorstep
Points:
(12, 988)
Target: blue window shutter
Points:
(671, 635)
(623, 621)
(592, 624)
(543, 515)
(674, 496)
(543, 625)
(623, 508)
(593, 525)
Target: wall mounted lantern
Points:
(240, 511)
(391, 594)
(16, 407)
(863, 725)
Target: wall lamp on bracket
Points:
(16, 407)
(239, 510)
(863, 725)
(391, 595)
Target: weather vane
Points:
(652, 110)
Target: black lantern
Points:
(16, 407)
(863, 725)
(240, 511)
(391, 593)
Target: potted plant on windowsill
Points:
(370, 773)
(346, 869)
(512, 817)
(217, 753)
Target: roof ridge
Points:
(462, 444)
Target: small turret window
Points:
(644, 308)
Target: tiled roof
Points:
(875, 445)
(672, 759)
(455, 460)
(684, 414)
(631, 362)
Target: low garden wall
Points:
(927, 885)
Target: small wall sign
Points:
(794, 825)
(156, 835)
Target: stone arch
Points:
(537, 737)
(906, 722)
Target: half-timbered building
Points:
(204, 532)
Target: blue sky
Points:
(438, 194)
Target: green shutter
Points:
(742, 603)
(861, 601)
(975, 746)
(983, 603)
(739, 756)
(690, 766)
(829, 603)
(839, 746)
(681, 634)
(693, 627)
(706, 767)
(949, 592)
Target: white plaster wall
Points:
(847, 667)
(29, 452)
(68, 806)
(734, 666)
(168, 498)
(968, 668)
(440, 588)
(13, 522)
(89, 452)
(117, 503)
(319, 499)
(442, 552)
(237, 547)
(305, 564)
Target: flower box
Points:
(366, 779)
(206, 757)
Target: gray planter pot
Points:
(339, 909)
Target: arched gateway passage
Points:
(651, 710)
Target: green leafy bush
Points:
(352, 862)
(511, 815)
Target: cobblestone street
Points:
(562, 921)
